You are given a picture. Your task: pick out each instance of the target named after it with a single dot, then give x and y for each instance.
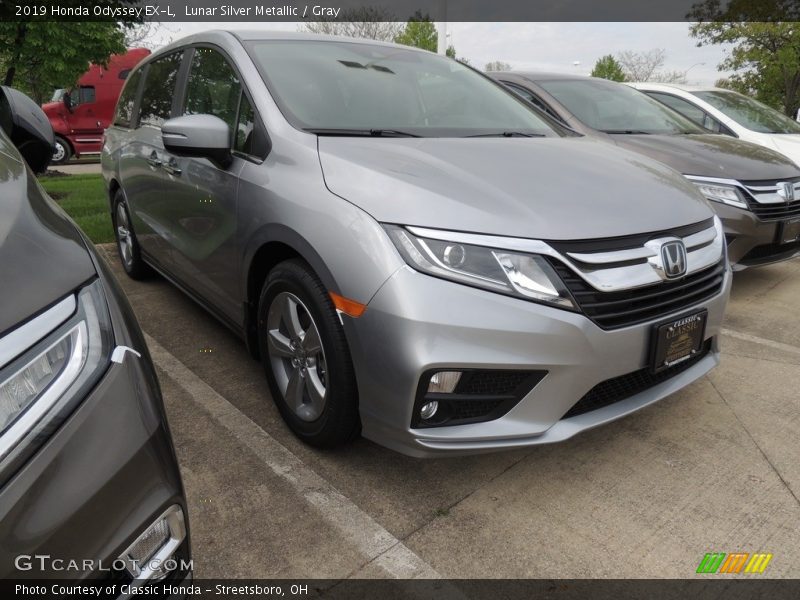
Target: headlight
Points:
(56, 369)
(527, 276)
(721, 192)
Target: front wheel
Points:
(306, 357)
(62, 151)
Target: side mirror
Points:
(204, 136)
(67, 100)
(28, 127)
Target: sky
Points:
(552, 47)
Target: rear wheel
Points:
(62, 151)
(127, 245)
(306, 357)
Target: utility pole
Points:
(441, 28)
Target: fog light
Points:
(151, 541)
(148, 558)
(444, 382)
(428, 410)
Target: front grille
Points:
(772, 212)
(768, 188)
(770, 252)
(473, 409)
(612, 310)
(498, 383)
(619, 388)
(481, 395)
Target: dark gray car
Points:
(754, 190)
(89, 483)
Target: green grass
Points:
(84, 199)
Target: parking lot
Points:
(711, 469)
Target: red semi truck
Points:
(80, 115)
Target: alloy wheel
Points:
(296, 356)
(124, 236)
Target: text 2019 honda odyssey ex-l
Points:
(412, 250)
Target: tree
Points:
(364, 22)
(647, 66)
(142, 35)
(451, 53)
(40, 56)
(641, 66)
(607, 67)
(419, 32)
(765, 56)
(497, 65)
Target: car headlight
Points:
(720, 192)
(58, 368)
(527, 276)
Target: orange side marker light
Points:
(349, 307)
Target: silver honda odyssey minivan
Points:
(413, 252)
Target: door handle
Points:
(172, 167)
(154, 161)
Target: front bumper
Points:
(751, 241)
(416, 323)
(100, 479)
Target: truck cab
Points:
(81, 114)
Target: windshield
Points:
(343, 87)
(58, 95)
(749, 113)
(617, 108)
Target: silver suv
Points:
(413, 251)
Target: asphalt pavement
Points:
(714, 468)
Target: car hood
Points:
(710, 155)
(545, 188)
(53, 108)
(787, 144)
(42, 255)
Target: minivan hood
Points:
(544, 188)
(710, 155)
(42, 255)
(787, 144)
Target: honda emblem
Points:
(673, 259)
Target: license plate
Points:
(790, 231)
(677, 340)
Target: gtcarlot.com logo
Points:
(733, 563)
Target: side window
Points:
(86, 94)
(533, 99)
(689, 110)
(245, 128)
(250, 137)
(686, 108)
(127, 100)
(213, 87)
(159, 89)
(523, 93)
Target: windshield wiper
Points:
(626, 131)
(507, 134)
(362, 132)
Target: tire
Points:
(127, 245)
(62, 152)
(313, 385)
